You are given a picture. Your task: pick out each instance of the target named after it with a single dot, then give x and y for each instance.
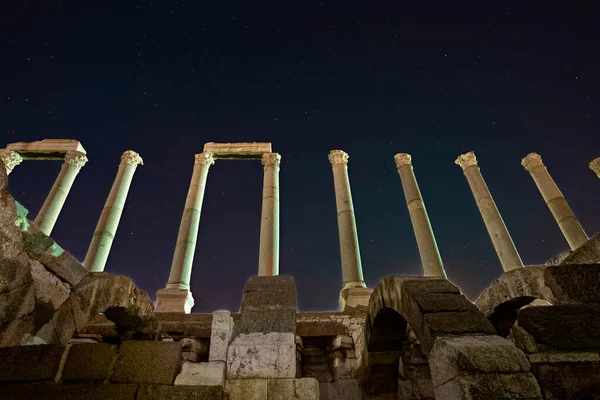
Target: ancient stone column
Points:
(46, 218)
(595, 166)
(351, 264)
(10, 159)
(176, 297)
(430, 255)
(97, 254)
(268, 259)
(505, 248)
(568, 223)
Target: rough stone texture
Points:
(569, 382)
(147, 362)
(262, 355)
(524, 341)
(74, 392)
(29, 363)
(222, 327)
(237, 150)
(47, 149)
(245, 389)
(3, 176)
(89, 362)
(293, 389)
(568, 327)
(11, 243)
(490, 387)
(161, 392)
(553, 357)
(416, 383)
(49, 289)
(559, 258)
(588, 253)
(206, 374)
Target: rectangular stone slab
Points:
(233, 151)
(47, 149)
(147, 362)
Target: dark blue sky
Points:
(373, 79)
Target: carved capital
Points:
(130, 157)
(403, 159)
(205, 158)
(338, 157)
(75, 159)
(10, 159)
(271, 159)
(531, 161)
(595, 166)
(466, 160)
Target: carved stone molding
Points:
(205, 158)
(338, 157)
(531, 161)
(130, 157)
(271, 159)
(402, 159)
(10, 159)
(595, 166)
(466, 160)
(76, 159)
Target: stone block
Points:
(266, 320)
(342, 342)
(587, 253)
(49, 289)
(523, 339)
(262, 355)
(293, 389)
(490, 386)
(75, 391)
(89, 362)
(147, 362)
(245, 389)
(415, 383)
(11, 242)
(30, 363)
(204, 374)
(268, 299)
(174, 301)
(161, 392)
(443, 302)
(355, 299)
(15, 304)
(555, 357)
(454, 356)
(64, 322)
(569, 382)
(222, 328)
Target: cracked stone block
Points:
(222, 326)
(262, 355)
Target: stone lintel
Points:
(47, 149)
(238, 151)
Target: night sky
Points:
(435, 80)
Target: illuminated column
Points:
(505, 248)
(177, 297)
(10, 159)
(430, 255)
(595, 166)
(555, 201)
(351, 264)
(97, 254)
(268, 259)
(46, 218)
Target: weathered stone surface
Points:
(131, 324)
(49, 391)
(347, 390)
(355, 299)
(454, 356)
(161, 392)
(457, 323)
(11, 243)
(569, 382)
(559, 258)
(245, 389)
(555, 357)
(47, 149)
(320, 328)
(343, 368)
(29, 363)
(415, 383)
(523, 339)
(440, 302)
(147, 362)
(16, 304)
(3, 175)
(293, 389)
(206, 374)
(490, 386)
(222, 328)
(89, 362)
(49, 290)
(262, 355)
(237, 150)
(64, 322)
(588, 253)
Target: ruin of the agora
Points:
(68, 330)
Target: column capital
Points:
(402, 159)
(271, 159)
(595, 166)
(531, 161)
(338, 157)
(466, 160)
(76, 159)
(204, 158)
(130, 157)
(10, 159)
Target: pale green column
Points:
(268, 259)
(428, 250)
(503, 244)
(10, 159)
(595, 166)
(46, 218)
(105, 232)
(564, 216)
(349, 249)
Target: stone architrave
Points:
(503, 244)
(46, 218)
(99, 249)
(268, 259)
(430, 255)
(177, 297)
(10, 159)
(568, 223)
(595, 166)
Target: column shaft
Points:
(46, 218)
(268, 259)
(106, 229)
(428, 250)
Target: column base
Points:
(174, 301)
(354, 296)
